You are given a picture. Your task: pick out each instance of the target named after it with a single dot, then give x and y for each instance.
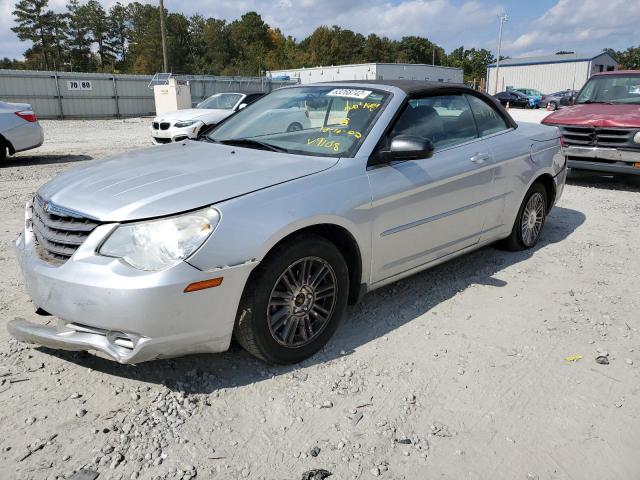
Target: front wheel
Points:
(529, 221)
(293, 303)
(294, 127)
(3, 152)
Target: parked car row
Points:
(530, 98)
(266, 232)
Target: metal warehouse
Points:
(371, 71)
(550, 73)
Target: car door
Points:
(426, 209)
(511, 162)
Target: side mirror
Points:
(241, 106)
(407, 147)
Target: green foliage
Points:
(629, 59)
(127, 39)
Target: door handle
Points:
(480, 158)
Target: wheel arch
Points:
(549, 185)
(345, 241)
(6, 143)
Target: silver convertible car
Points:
(266, 234)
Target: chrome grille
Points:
(58, 235)
(599, 137)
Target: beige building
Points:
(550, 73)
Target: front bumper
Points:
(128, 315)
(175, 134)
(609, 160)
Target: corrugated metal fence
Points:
(101, 95)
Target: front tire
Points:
(294, 127)
(3, 152)
(529, 221)
(294, 301)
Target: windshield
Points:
(315, 120)
(611, 89)
(222, 101)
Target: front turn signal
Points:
(204, 284)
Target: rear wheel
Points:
(3, 152)
(553, 106)
(529, 221)
(294, 301)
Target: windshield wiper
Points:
(251, 143)
(597, 101)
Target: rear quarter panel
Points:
(523, 155)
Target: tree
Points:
(118, 31)
(79, 38)
(629, 59)
(34, 24)
(97, 23)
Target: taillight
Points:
(27, 115)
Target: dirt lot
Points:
(459, 372)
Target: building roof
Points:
(564, 58)
(363, 65)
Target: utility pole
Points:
(503, 18)
(163, 32)
(433, 52)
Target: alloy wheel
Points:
(302, 302)
(532, 219)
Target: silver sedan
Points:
(19, 129)
(268, 234)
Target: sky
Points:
(535, 27)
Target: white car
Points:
(19, 129)
(183, 124)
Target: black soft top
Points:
(414, 88)
(410, 87)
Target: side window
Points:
(488, 119)
(446, 120)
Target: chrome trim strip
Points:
(422, 221)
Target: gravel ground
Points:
(458, 372)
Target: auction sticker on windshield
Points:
(349, 93)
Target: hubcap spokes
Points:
(532, 219)
(302, 302)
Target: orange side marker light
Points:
(194, 287)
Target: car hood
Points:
(204, 114)
(597, 115)
(173, 178)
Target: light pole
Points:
(163, 33)
(503, 18)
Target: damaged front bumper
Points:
(129, 315)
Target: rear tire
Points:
(529, 221)
(294, 300)
(3, 152)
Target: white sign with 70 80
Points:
(79, 85)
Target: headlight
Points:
(636, 137)
(159, 244)
(185, 123)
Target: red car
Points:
(601, 131)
